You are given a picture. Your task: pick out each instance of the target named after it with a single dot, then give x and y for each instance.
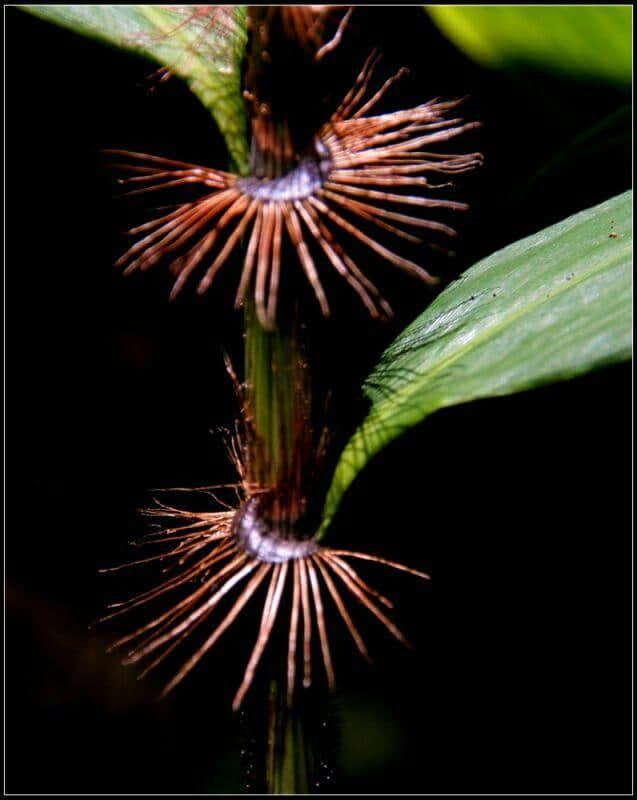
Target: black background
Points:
(519, 506)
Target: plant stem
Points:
(287, 769)
(277, 407)
(278, 411)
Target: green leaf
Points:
(205, 51)
(547, 308)
(593, 42)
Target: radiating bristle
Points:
(294, 624)
(267, 623)
(320, 622)
(223, 626)
(223, 566)
(336, 39)
(303, 25)
(340, 605)
(379, 560)
(357, 167)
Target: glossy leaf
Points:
(547, 308)
(203, 47)
(593, 42)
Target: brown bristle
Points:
(305, 26)
(358, 165)
(223, 565)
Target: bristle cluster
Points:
(218, 553)
(358, 165)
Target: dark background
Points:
(519, 506)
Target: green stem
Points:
(278, 407)
(288, 752)
(279, 448)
